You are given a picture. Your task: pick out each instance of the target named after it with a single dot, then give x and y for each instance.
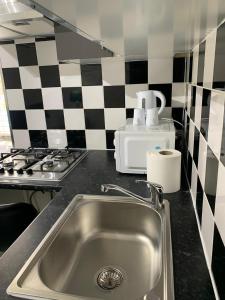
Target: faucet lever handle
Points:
(154, 185)
(158, 186)
(148, 183)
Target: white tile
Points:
(30, 77)
(220, 202)
(36, 119)
(21, 138)
(166, 113)
(194, 183)
(207, 228)
(160, 70)
(8, 56)
(46, 53)
(209, 59)
(115, 118)
(191, 137)
(52, 98)
(5, 145)
(189, 99)
(74, 119)
(24, 40)
(216, 116)
(130, 94)
(178, 94)
(93, 96)
(70, 75)
(57, 138)
(113, 71)
(195, 65)
(202, 154)
(95, 139)
(198, 107)
(15, 99)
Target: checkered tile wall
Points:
(52, 104)
(205, 152)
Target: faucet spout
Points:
(106, 187)
(155, 201)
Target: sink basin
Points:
(102, 247)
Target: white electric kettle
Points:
(147, 101)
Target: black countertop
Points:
(191, 277)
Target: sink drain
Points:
(109, 278)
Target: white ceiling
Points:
(142, 28)
(134, 29)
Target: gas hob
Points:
(42, 164)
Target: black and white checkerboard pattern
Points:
(205, 155)
(53, 104)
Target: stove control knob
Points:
(2, 170)
(20, 171)
(29, 171)
(10, 171)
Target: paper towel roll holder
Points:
(165, 152)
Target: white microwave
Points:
(132, 143)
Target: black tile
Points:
(201, 63)
(33, 99)
(199, 200)
(49, 76)
(222, 152)
(178, 115)
(129, 113)
(184, 159)
(211, 177)
(136, 72)
(165, 88)
(94, 118)
(218, 262)
(43, 39)
(110, 138)
(187, 129)
(11, 78)
(27, 55)
(7, 42)
(193, 100)
(114, 96)
(179, 145)
(76, 138)
(178, 69)
(180, 142)
(91, 74)
(196, 146)
(190, 67)
(219, 62)
(18, 119)
(54, 119)
(38, 138)
(72, 97)
(206, 98)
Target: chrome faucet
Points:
(156, 193)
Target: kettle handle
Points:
(162, 98)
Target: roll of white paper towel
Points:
(164, 168)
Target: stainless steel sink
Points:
(102, 247)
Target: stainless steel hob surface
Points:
(42, 164)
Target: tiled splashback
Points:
(53, 104)
(205, 156)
